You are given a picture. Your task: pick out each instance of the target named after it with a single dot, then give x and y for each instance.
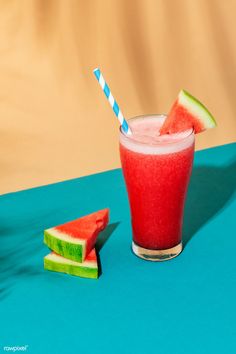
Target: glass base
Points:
(156, 255)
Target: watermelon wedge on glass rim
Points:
(74, 240)
(187, 113)
(87, 269)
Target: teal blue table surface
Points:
(185, 305)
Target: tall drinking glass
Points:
(156, 170)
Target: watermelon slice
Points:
(86, 269)
(187, 113)
(75, 239)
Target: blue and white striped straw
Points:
(112, 101)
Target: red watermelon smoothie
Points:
(157, 170)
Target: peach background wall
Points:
(55, 122)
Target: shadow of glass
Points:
(211, 189)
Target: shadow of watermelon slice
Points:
(103, 237)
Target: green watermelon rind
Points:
(77, 270)
(197, 109)
(69, 250)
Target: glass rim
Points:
(161, 143)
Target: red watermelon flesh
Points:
(91, 257)
(75, 239)
(86, 228)
(187, 113)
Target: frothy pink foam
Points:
(146, 137)
(147, 131)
